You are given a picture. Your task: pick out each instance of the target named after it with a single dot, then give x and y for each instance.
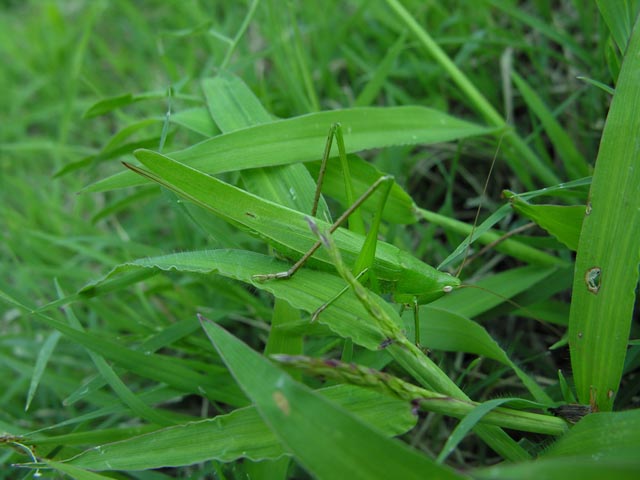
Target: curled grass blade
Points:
(562, 221)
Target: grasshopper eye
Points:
(447, 289)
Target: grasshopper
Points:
(409, 280)
(412, 289)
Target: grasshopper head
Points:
(424, 284)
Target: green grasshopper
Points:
(409, 289)
(410, 280)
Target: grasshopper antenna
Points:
(516, 305)
(467, 259)
(477, 215)
(504, 237)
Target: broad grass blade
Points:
(606, 272)
(74, 472)
(620, 18)
(601, 445)
(233, 106)
(449, 331)
(326, 440)
(239, 434)
(586, 437)
(301, 139)
(562, 221)
(307, 290)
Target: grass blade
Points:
(467, 424)
(601, 445)
(239, 434)
(382, 72)
(44, 354)
(548, 30)
(574, 163)
(324, 438)
(583, 467)
(481, 104)
(620, 18)
(562, 221)
(585, 439)
(307, 290)
(75, 472)
(233, 106)
(301, 139)
(449, 331)
(196, 119)
(606, 275)
(171, 371)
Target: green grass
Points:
(137, 341)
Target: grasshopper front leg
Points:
(289, 273)
(336, 132)
(365, 259)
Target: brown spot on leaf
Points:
(281, 402)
